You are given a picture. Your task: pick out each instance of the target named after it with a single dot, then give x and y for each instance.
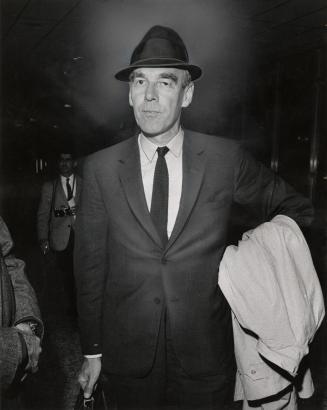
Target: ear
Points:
(188, 95)
(130, 97)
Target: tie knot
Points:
(162, 151)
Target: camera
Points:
(65, 211)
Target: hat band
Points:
(159, 60)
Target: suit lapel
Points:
(131, 179)
(78, 188)
(193, 171)
(61, 196)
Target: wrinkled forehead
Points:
(154, 73)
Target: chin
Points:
(151, 131)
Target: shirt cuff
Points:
(92, 356)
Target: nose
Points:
(151, 92)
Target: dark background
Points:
(264, 65)
(264, 84)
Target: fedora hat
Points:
(160, 47)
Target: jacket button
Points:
(68, 226)
(156, 301)
(253, 372)
(163, 260)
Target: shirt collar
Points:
(149, 148)
(71, 178)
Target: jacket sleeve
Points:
(12, 345)
(43, 213)
(90, 259)
(11, 355)
(26, 306)
(26, 302)
(267, 194)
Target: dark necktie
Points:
(159, 202)
(69, 190)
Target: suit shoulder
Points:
(79, 178)
(215, 144)
(49, 184)
(105, 155)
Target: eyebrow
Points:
(136, 74)
(169, 76)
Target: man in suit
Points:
(21, 327)
(150, 234)
(56, 220)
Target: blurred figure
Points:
(21, 326)
(56, 218)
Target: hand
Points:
(89, 374)
(33, 344)
(44, 245)
(34, 349)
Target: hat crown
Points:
(160, 42)
(160, 47)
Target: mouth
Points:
(150, 113)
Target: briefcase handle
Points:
(97, 401)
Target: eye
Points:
(164, 83)
(139, 81)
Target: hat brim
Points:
(124, 74)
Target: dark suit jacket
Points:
(55, 229)
(124, 275)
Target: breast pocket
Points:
(212, 206)
(218, 204)
(257, 371)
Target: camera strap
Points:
(74, 183)
(54, 189)
(72, 188)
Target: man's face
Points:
(157, 96)
(66, 164)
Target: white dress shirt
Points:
(72, 182)
(174, 161)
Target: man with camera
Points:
(56, 219)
